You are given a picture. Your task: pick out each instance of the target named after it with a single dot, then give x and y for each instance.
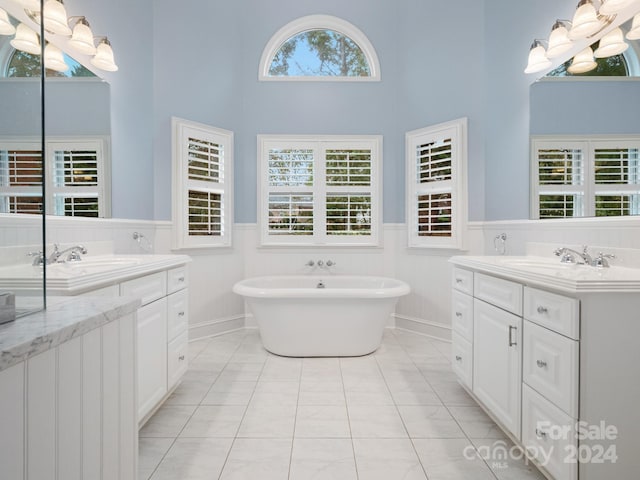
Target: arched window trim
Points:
(318, 22)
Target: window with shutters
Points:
(76, 177)
(584, 177)
(202, 185)
(320, 190)
(436, 185)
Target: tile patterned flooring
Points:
(243, 413)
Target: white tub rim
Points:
(396, 288)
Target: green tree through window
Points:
(23, 64)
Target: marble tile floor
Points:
(243, 413)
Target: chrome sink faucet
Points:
(567, 255)
(73, 256)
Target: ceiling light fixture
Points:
(82, 37)
(55, 18)
(611, 44)
(634, 33)
(559, 41)
(586, 21)
(583, 62)
(6, 27)
(538, 60)
(104, 56)
(611, 7)
(54, 59)
(26, 40)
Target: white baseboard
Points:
(428, 328)
(218, 326)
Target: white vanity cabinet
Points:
(70, 412)
(555, 363)
(162, 334)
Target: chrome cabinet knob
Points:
(541, 363)
(542, 310)
(458, 358)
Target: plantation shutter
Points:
(319, 190)
(585, 177)
(202, 185)
(435, 156)
(560, 179)
(20, 179)
(76, 179)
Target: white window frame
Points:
(587, 144)
(457, 186)
(320, 144)
(318, 22)
(181, 184)
(56, 143)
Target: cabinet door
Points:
(12, 422)
(497, 360)
(152, 355)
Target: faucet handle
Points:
(601, 261)
(330, 263)
(310, 263)
(38, 258)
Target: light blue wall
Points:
(587, 107)
(206, 59)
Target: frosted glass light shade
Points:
(538, 60)
(53, 59)
(559, 41)
(26, 40)
(55, 18)
(634, 33)
(585, 21)
(6, 27)
(611, 44)
(611, 7)
(104, 57)
(82, 38)
(583, 62)
(33, 5)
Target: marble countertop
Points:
(64, 319)
(550, 273)
(91, 272)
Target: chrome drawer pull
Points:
(542, 310)
(181, 357)
(540, 433)
(458, 314)
(181, 279)
(511, 329)
(458, 358)
(541, 363)
(458, 281)
(181, 314)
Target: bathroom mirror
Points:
(21, 190)
(589, 114)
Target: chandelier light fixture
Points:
(583, 62)
(634, 33)
(590, 20)
(612, 7)
(56, 22)
(611, 44)
(6, 27)
(54, 59)
(538, 59)
(559, 41)
(26, 40)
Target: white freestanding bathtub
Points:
(321, 316)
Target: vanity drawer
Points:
(462, 314)
(462, 359)
(176, 279)
(462, 280)
(148, 288)
(501, 293)
(177, 313)
(177, 356)
(550, 366)
(542, 424)
(556, 312)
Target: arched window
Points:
(319, 47)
